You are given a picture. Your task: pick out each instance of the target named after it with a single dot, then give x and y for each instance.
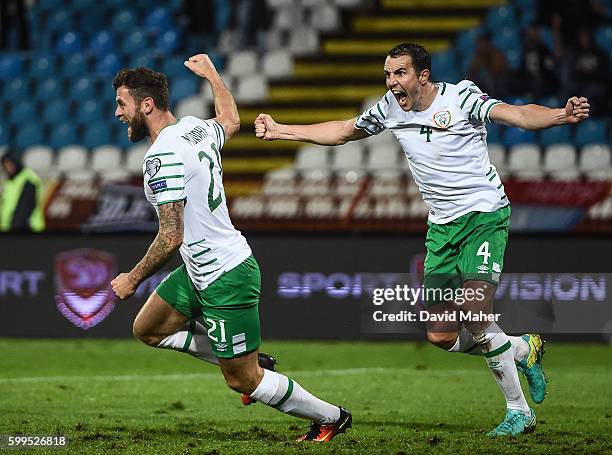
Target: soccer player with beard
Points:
(220, 279)
(442, 130)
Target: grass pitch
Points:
(121, 396)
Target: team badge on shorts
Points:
(442, 119)
(152, 167)
(82, 286)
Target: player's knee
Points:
(140, 333)
(442, 340)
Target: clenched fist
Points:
(266, 128)
(577, 109)
(123, 286)
(201, 65)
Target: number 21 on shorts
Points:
(213, 327)
(483, 251)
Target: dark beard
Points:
(139, 128)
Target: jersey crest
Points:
(442, 119)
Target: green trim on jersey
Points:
(203, 274)
(471, 85)
(156, 179)
(443, 88)
(380, 110)
(465, 99)
(216, 130)
(160, 154)
(480, 108)
(195, 243)
(472, 110)
(374, 115)
(204, 251)
(486, 116)
(168, 202)
(168, 189)
(222, 130)
(207, 263)
(171, 164)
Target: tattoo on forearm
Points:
(167, 241)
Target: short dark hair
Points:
(143, 83)
(421, 60)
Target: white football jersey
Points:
(446, 148)
(184, 163)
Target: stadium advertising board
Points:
(312, 287)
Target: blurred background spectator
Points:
(13, 20)
(539, 73)
(200, 23)
(489, 68)
(568, 16)
(587, 71)
(21, 200)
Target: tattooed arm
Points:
(165, 244)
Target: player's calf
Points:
(267, 362)
(242, 374)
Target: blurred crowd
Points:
(573, 64)
(570, 63)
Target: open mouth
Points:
(401, 97)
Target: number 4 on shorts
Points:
(484, 252)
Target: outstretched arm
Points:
(536, 117)
(327, 133)
(165, 244)
(225, 107)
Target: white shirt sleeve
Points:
(166, 177)
(474, 104)
(216, 131)
(372, 120)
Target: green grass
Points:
(120, 396)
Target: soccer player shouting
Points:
(441, 128)
(220, 279)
